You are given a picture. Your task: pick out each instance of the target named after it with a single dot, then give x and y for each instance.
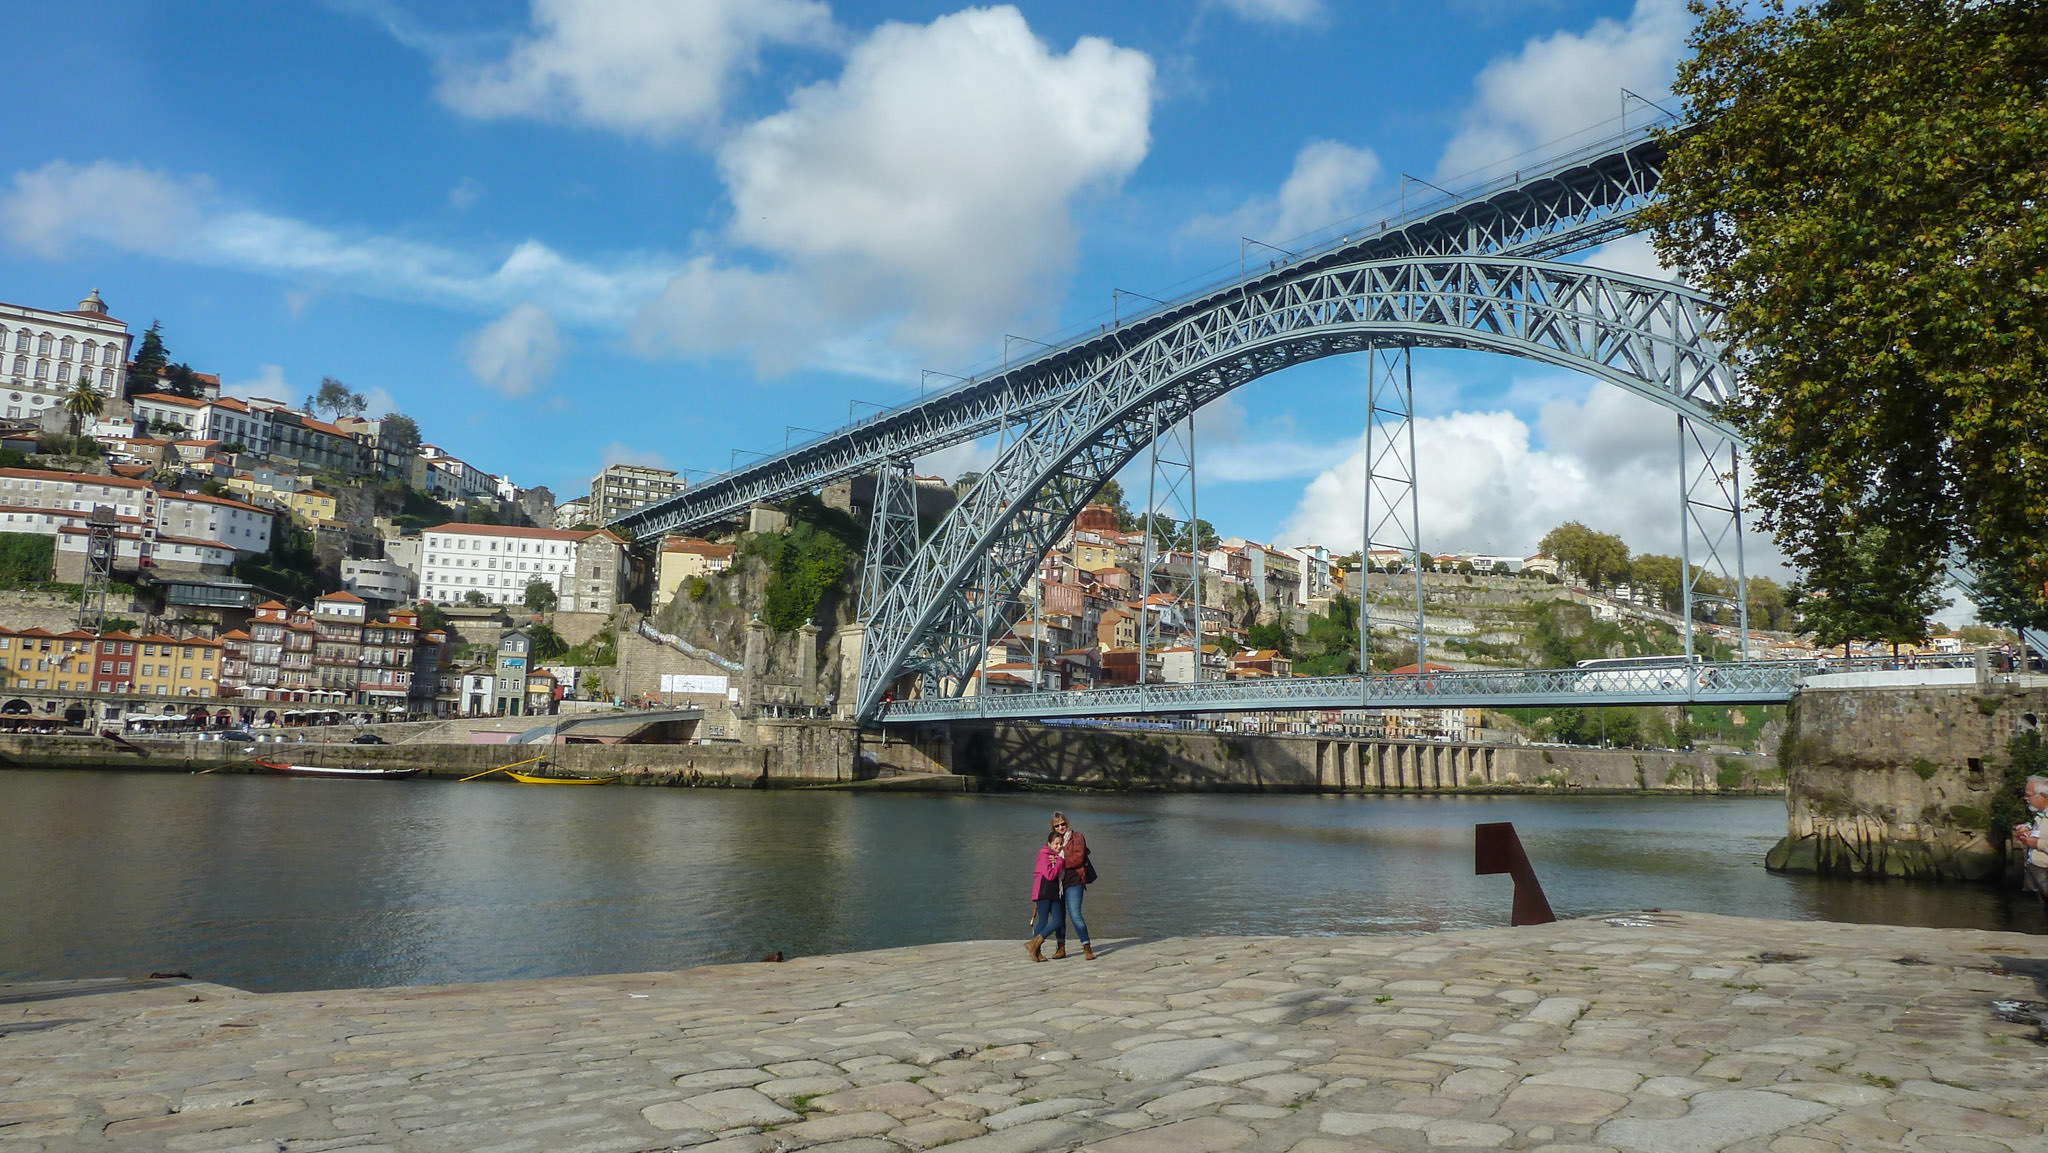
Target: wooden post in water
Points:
(1496, 849)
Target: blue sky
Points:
(568, 232)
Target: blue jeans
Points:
(1050, 919)
(1074, 918)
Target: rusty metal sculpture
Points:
(1496, 849)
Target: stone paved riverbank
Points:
(1684, 1033)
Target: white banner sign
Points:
(693, 683)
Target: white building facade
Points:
(497, 562)
(383, 579)
(226, 420)
(43, 354)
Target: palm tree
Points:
(83, 402)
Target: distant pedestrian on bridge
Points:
(2033, 836)
(1050, 917)
(1074, 878)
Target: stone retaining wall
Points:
(1112, 758)
(788, 754)
(1897, 782)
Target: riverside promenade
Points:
(1672, 1032)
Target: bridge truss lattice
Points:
(1653, 338)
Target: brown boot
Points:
(1032, 948)
(1059, 953)
(1087, 951)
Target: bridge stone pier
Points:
(1406, 765)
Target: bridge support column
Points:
(1710, 524)
(807, 663)
(1391, 513)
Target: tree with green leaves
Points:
(1598, 558)
(540, 596)
(1876, 592)
(336, 400)
(149, 360)
(180, 380)
(84, 403)
(1201, 539)
(400, 434)
(548, 644)
(1112, 494)
(1862, 185)
(475, 599)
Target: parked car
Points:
(366, 739)
(239, 736)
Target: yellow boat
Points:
(524, 779)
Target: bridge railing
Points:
(1733, 682)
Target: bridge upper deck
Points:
(1558, 204)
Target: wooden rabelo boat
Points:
(528, 779)
(341, 771)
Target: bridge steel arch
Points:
(1653, 338)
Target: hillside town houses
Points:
(202, 486)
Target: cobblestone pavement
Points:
(1653, 1031)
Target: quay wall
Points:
(783, 754)
(1025, 753)
(1901, 782)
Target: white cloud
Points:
(1634, 255)
(268, 382)
(930, 187)
(1328, 183)
(617, 453)
(1277, 11)
(958, 460)
(378, 401)
(1561, 84)
(465, 194)
(636, 66)
(516, 351)
(122, 206)
(181, 218)
(1485, 485)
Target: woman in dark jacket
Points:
(1074, 880)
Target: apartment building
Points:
(338, 620)
(40, 659)
(623, 488)
(686, 557)
(224, 419)
(447, 477)
(586, 569)
(389, 652)
(315, 445)
(44, 354)
(333, 652)
(168, 666)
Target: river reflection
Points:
(269, 883)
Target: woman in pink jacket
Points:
(1045, 893)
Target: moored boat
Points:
(337, 771)
(526, 779)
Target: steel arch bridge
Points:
(1475, 271)
(1552, 207)
(1653, 338)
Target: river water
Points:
(269, 883)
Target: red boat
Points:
(337, 771)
